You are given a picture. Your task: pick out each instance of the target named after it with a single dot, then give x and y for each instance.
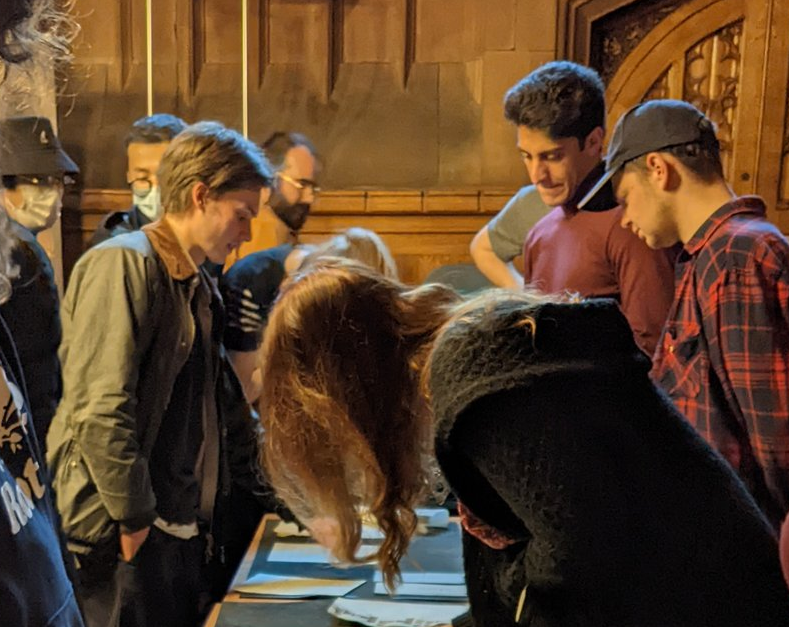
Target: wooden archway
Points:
(711, 53)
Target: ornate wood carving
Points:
(659, 89)
(712, 75)
(616, 34)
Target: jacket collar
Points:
(179, 264)
(753, 205)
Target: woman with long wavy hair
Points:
(586, 498)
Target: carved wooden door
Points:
(729, 58)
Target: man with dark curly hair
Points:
(559, 111)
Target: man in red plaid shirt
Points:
(724, 354)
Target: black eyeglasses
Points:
(141, 186)
(44, 180)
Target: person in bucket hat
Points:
(35, 588)
(724, 354)
(33, 167)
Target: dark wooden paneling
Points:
(424, 230)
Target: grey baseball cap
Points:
(651, 127)
(29, 146)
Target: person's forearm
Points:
(498, 272)
(248, 372)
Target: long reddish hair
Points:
(345, 422)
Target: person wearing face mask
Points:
(33, 167)
(145, 144)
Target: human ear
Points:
(199, 195)
(658, 169)
(594, 141)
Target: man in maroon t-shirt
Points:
(559, 110)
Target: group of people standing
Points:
(152, 451)
(617, 434)
(618, 441)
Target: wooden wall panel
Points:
(219, 32)
(500, 23)
(423, 230)
(383, 44)
(299, 31)
(393, 92)
(460, 123)
(448, 30)
(537, 26)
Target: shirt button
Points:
(671, 349)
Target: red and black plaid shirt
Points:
(724, 354)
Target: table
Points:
(438, 551)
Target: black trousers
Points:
(164, 584)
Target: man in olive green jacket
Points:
(135, 444)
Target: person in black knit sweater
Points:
(586, 498)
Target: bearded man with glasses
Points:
(250, 285)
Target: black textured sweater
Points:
(622, 515)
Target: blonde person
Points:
(587, 499)
(252, 286)
(360, 244)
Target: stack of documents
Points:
(287, 587)
(426, 586)
(311, 553)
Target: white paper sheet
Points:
(426, 590)
(390, 614)
(455, 579)
(433, 516)
(291, 530)
(309, 553)
(283, 586)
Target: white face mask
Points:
(150, 204)
(40, 207)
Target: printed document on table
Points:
(391, 614)
(291, 530)
(424, 590)
(309, 553)
(433, 516)
(455, 579)
(283, 586)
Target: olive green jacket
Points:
(127, 332)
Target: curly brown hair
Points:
(345, 423)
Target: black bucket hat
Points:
(29, 146)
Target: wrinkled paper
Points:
(389, 614)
